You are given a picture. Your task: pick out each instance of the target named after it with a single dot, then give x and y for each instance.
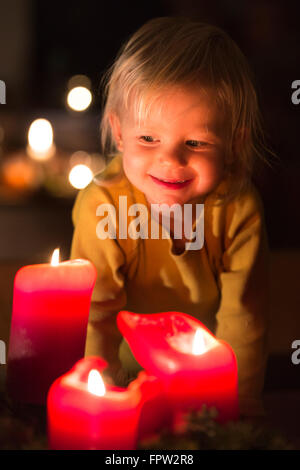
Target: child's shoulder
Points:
(112, 174)
(107, 184)
(247, 201)
(105, 187)
(225, 217)
(239, 218)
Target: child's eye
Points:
(147, 138)
(196, 143)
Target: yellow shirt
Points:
(224, 284)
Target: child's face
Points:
(181, 139)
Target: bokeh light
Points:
(79, 98)
(79, 80)
(80, 176)
(40, 140)
(80, 158)
(20, 173)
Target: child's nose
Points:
(173, 156)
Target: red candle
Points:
(84, 413)
(51, 305)
(156, 413)
(194, 366)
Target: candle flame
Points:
(55, 257)
(198, 343)
(95, 383)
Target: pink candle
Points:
(85, 413)
(51, 305)
(193, 365)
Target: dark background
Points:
(43, 44)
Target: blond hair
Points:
(172, 51)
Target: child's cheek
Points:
(134, 169)
(133, 164)
(210, 174)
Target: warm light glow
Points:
(80, 158)
(79, 98)
(79, 80)
(40, 139)
(55, 257)
(198, 343)
(95, 383)
(80, 176)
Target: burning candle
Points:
(84, 413)
(51, 305)
(194, 366)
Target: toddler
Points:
(180, 128)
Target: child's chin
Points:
(169, 201)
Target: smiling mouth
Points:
(174, 184)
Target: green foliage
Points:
(202, 432)
(25, 427)
(22, 427)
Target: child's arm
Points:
(243, 314)
(109, 296)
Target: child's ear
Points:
(115, 125)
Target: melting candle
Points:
(84, 413)
(195, 367)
